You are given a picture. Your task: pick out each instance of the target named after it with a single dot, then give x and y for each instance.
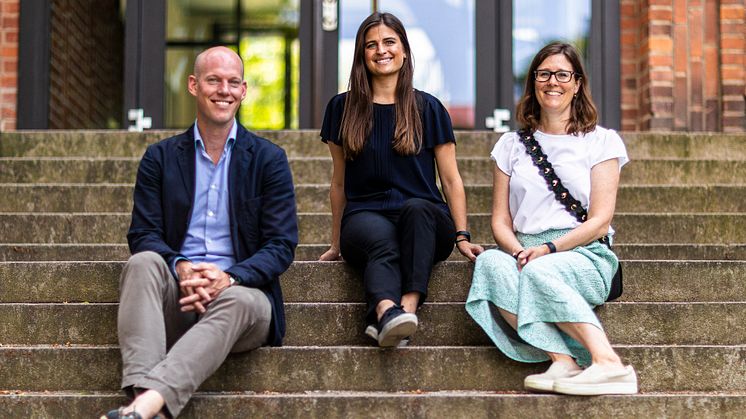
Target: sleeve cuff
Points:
(176, 260)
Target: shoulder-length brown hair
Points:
(357, 119)
(583, 114)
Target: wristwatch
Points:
(232, 280)
(466, 236)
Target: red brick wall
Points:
(86, 60)
(733, 63)
(683, 65)
(8, 63)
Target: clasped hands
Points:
(524, 256)
(200, 284)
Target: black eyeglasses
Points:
(562, 76)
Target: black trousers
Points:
(396, 250)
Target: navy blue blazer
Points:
(263, 220)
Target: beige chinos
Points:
(174, 356)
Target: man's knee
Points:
(144, 266)
(249, 304)
(146, 258)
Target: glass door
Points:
(264, 34)
(510, 33)
(441, 35)
(538, 22)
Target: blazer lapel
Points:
(241, 160)
(185, 160)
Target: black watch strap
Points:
(465, 233)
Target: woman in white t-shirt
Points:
(550, 269)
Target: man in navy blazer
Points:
(213, 226)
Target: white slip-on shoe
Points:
(597, 380)
(545, 381)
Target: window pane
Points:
(264, 69)
(270, 49)
(538, 22)
(274, 14)
(180, 108)
(441, 34)
(201, 20)
(264, 33)
(351, 15)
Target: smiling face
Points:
(384, 52)
(218, 86)
(555, 98)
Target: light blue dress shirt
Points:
(208, 237)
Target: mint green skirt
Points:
(559, 287)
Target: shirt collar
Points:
(199, 143)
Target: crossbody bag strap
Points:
(572, 205)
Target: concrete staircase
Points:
(681, 222)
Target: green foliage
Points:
(264, 71)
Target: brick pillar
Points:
(733, 64)
(683, 65)
(8, 63)
(631, 64)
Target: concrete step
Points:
(317, 170)
(416, 404)
(440, 324)
(65, 252)
(297, 143)
(648, 228)
(20, 252)
(686, 251)
(294, 369)
(644, 281)
(111, 143)
(83, 197)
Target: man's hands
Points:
(200, 284)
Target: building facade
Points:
(669, 65)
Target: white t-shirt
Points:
(533, 207)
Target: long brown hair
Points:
(583, 114)
(357, 119)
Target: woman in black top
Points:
(388, 216)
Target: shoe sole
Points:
(371, 332)
(595, 389)
(397, 329)
(544, 386)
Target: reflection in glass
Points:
(200, 20)
(266, 61)
(441, 34)
(180, 109)
(538, 22)
(264, 33)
